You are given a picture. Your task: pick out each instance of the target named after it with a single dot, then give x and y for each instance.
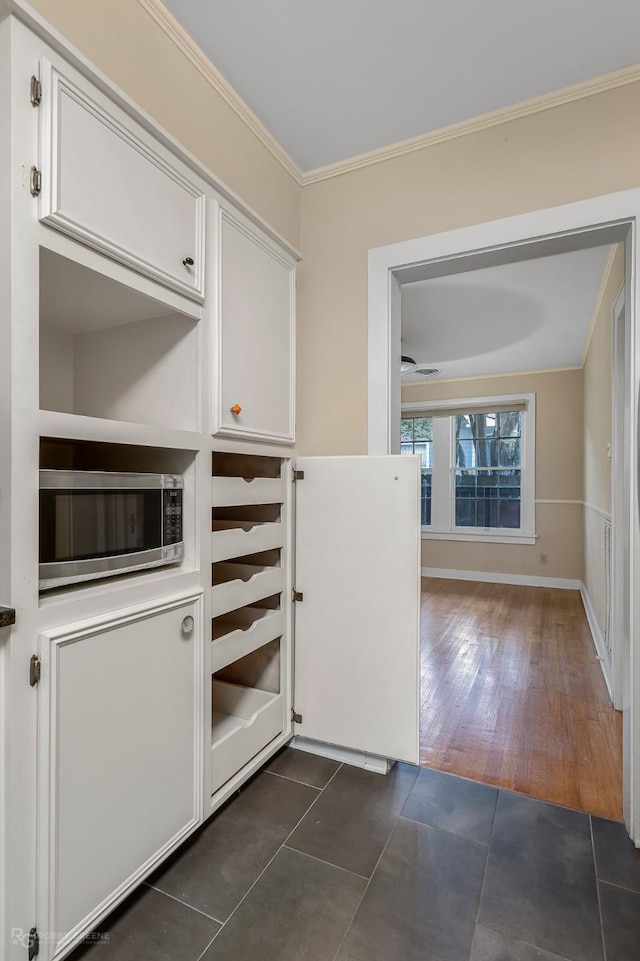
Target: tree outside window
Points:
(488, 469)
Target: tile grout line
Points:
(294, 779)
(180, 901)
(271, 860)
(595, 871)
(202, 954)
(366, 888)
(484, 872)
(317, 797)
(330, 864)
(455, 834)
(621, 887)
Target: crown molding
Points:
(606, 273)
(178, 35)
(578, 91)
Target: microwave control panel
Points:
(172, 517)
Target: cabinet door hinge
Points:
(298, 475)
(297, 596)
(35, 182)
(35, 92)
(296, 718)
(34, 670)
(34, 944)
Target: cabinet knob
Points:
(236, 409)
(188, 261)
(187, 624)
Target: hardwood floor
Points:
(513, 694)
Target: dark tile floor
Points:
(316, 861)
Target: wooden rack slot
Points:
(227, 464)
(248, 711)
(238, 633)
(243, 619)
(245, 530)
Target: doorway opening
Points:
(543, 234)
(514, 438)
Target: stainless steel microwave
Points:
(97, 524)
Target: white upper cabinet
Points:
(107, 183)
(254, 368)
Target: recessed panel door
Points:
(119, 756)
(357, 627)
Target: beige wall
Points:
(597, 435)
(559, 477)
(127, 44)
(578, 150)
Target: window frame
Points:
(443, 525)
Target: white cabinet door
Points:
(254, 381)
(119, 757)
(357, 629)
(107, 183)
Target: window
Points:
(416, 437)
(477, 463)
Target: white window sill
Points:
(487, 536)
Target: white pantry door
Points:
(357, 630)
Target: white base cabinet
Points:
(120, 757)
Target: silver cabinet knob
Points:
(187, 624)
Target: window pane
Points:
(425, 501)
(416, 437)
(425, 449)
(423, 428)
(406, 429)
(509, 513)
(511, 424)
(488, 498)
(509, 453)
(482, 426)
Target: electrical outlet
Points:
(544, 559)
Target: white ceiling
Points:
(331, 79)
(534, 315)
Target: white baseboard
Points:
(598, 639)
(526, 580)
(370, 762)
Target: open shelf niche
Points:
(248, 710)
(110, 351)
(80, 455)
